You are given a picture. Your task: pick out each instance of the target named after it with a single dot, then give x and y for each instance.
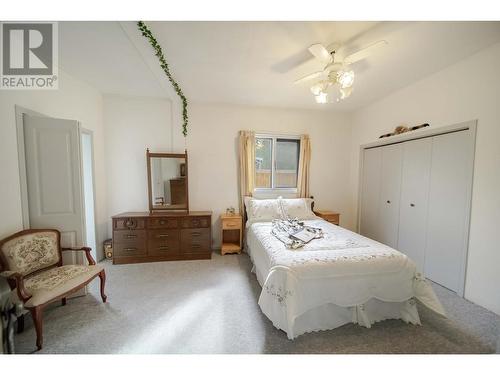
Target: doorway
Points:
(57, 179)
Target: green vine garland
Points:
(163, 63)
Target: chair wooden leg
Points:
(20, 323)
(102, 276)
(63, 301)
(36, 313)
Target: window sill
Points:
(275, 193)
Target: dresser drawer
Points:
(163, 241)
(196, 222)
(163, 222)
(231, 223)
(195, 240)
(129, 249)
(129, 223)
(129, 236)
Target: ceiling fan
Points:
(335, 72)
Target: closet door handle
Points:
(412, 204)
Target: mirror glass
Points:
(168, 183)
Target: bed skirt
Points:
(273, 304)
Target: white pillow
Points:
(299, 208)
(262, 209)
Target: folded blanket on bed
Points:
(294, 233)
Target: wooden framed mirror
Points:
(167, 181)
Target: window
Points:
(276, 162)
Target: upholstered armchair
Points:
(32, 260)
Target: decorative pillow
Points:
(299, 208)
(262, 209)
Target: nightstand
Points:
(232, 232)
(330, 216)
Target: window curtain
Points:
(304, 168)
(247, 166)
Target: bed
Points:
(331, 281)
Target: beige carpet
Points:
(211, 307)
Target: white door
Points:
(390, 189)
(414, 199)
(53, 177)
(370, 192)
(449, 199)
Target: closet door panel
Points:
(414, 199)
(370, 192)
(390, 194)
(448, 205)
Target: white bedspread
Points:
(341, 278)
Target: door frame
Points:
(23, 181)
(471, 127)
(91, 134)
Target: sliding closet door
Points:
(390, 194)
(370, 192)
(449, 202)
(414, 199)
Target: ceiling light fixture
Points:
(345, 78)
(321, 98)
(335, 71)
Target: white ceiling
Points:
(255, 63)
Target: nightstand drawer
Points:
(233, 223)
(333, 219)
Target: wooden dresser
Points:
(151, 237)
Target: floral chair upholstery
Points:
(32, 260)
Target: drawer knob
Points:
(195, 246)
(162, 222)
(196, 234)
(130, 249)
(388, 201)
(162, 248)
(162, 235)
(131, 235)
(412, 204)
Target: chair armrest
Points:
(23, 294)
(87, 253)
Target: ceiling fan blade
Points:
(364, 52)
(308, 77)
(321, 53)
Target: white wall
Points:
(73, 100)
(465, 91)
(133, 124)
(213, 155)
